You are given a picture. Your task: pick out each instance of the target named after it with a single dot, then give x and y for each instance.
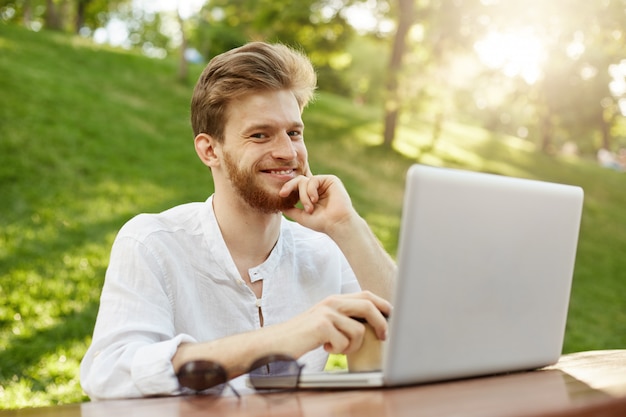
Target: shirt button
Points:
(240, 283)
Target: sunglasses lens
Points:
(275, 372)
(202, 375)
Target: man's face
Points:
(264, 148)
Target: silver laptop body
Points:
(485, 267)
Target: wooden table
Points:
(581, 384)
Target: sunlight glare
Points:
(515, 54)
(186, 8)
(364, 18)
(618, 84)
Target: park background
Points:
(94, 109)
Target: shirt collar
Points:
(220, 256)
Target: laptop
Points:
(485, 266)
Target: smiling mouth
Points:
(279, 171)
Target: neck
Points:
(249, 234)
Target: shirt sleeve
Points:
(134, 338)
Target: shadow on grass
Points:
(51, 290)
(25, 353)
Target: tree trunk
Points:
(391, 121)
(546, 133)
(51, 16)
(81, 8)
(28, 13)
(183, 68)
(604, 129)
(392, 98)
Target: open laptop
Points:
(485, 265)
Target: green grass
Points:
(90, 137)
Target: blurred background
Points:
(94, 99)
(550, 71)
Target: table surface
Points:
(580, 384)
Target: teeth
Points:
(284, 172)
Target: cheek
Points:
(301, 150)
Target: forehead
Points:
(265, 107)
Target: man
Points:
(231, 280)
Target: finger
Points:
(307, 191)
(346, 336)
(290, 186)
(379, 315)
(304, 188)
(312, 189)
(308, 196)
(382, 304)
(361, 306)
(372, 316)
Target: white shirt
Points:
(171, 280)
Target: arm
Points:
(137, 349)
(328, 323)
(134, 337)
(327, 208)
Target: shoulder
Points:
(182, 218)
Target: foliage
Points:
(91, 136)
(315, 26)
(568, 100)
(68, 15)
(364, 77)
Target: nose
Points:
(284, 147)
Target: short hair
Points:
(254, 67)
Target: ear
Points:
(206, 149)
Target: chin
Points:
(290, 201)
(278, 205)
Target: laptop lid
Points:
(485, 265)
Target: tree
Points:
(315, 26)
(567, 100)
(571, 98)
(81, 11)
(93, 14)
(392, 100)
(63, 15)
(419, 71)
(53, 18)
(183, 68)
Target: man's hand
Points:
(330, 323)
(327, 208)
(325, 202)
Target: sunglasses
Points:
(209, 377)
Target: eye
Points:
(259, 136)
(295, 133)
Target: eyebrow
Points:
(264, 126)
